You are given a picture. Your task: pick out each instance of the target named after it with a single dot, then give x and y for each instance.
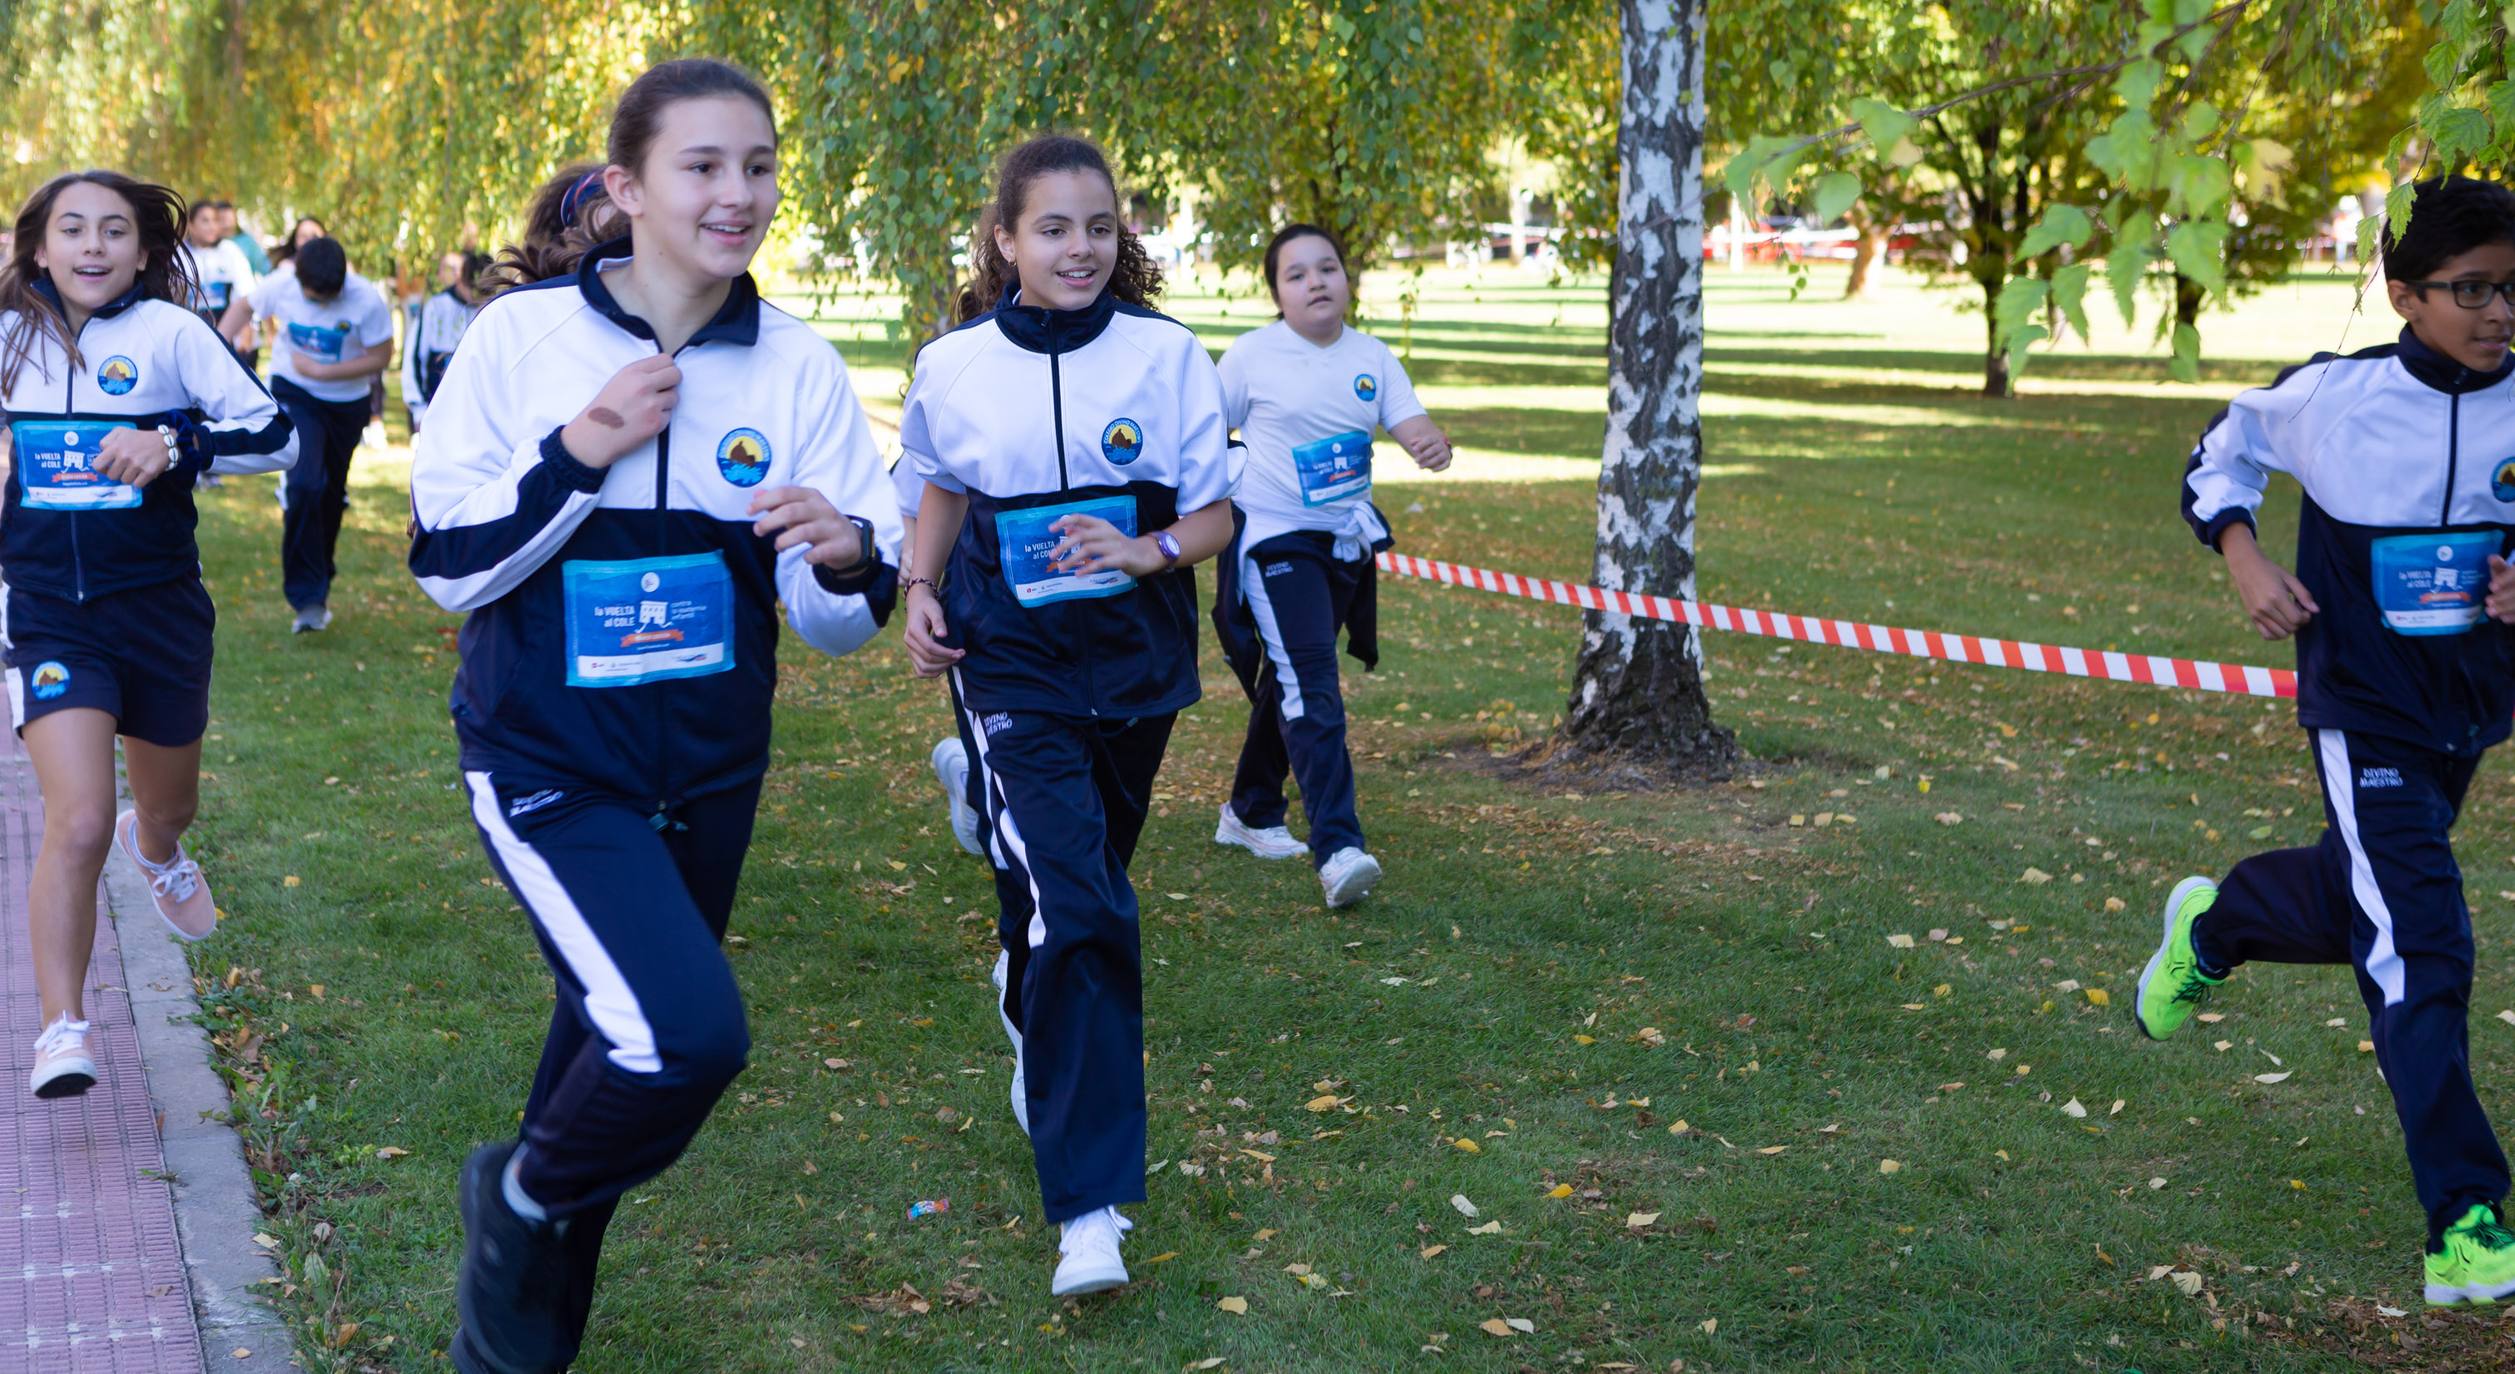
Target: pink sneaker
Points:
(182, 898)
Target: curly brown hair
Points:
(1136, 280)
(569, 216)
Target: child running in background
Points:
(335, 332)
(1074, 450)
(442, 320)
(1307, 393)
(118, 397)
(625, 476)
(2405, 676)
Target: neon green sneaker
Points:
(2172, 985)
(2477, 1264)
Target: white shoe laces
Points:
(176, 880)
(1108, 1220)
(63, 1036)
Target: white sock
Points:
(517, 1200)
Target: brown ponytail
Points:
(1136, 279)
(569, 216)
(157, 216)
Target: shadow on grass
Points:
(2066, 366)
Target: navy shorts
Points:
(141, 656)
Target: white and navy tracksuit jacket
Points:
(2407, 459)
(1071, 683)
(105, 606)
(619, 660)
(430, 349)
(1299, 569)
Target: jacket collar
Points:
(111, 308)
(1042, 330)
(737, 321)
(2443, 373)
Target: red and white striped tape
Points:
(2152, 669)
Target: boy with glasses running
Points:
(2401, 604)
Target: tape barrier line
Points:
(2152, 669)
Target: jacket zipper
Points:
(663, 546)
(1056, 409)
(2453, 453)
(70, 406)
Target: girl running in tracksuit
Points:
(625, 473)
(1076, 465)
(442, 320)
(118, 398)
(1306, 394)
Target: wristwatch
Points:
(1168, 543)
(864, 540)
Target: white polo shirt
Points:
(322, 331)
(223, 275)
(1308, 415)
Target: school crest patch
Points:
(117, 376)
(1122, 442)
(51, 678)
(2502, 481)
(1366, 386)
(742, 456)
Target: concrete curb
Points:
(215, 1212)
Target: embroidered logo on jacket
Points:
(1122, 442)
(1366, 386)
(2378, 777)
(51, 679)
(525, 806)
(2502, 481)
(117, 376)
(742, 455)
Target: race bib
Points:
(320, 343)
(647, 619)
(2432, 584)
(1024, 542)
(215, 293)
(56, 465)
(1336, 468)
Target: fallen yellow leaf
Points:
(2098, 997)
(1238, 1307)
(1890, 1166)
(1490, 1228)
(1429, 1251)
(1495, 1326)
(1324, 1102)
(1559, 1191)
(292, 880)
(1469, 1146)
(1640, 1220)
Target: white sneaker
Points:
(951, 768)
(1348, 876)
(1088, 1254)
(64, 1068)
(1021, 1085)
(1274, 842)
(311, 620)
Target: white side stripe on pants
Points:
(608, 997)
(1271, 634)
(1008, 835)
(2340, 786)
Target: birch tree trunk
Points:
(1637, 693)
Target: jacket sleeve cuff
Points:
(876, 581)
(2217, 526)
(191, 456)
(554, 452)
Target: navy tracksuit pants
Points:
(1300, 596)
(1066, 801)
(2381, 892)
(649, 1029)
(314, 495)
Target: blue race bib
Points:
(648, 619)
(215, 292)
(56, 465)
(1024, 541)
(1336, 468)
(2432, 584)
(320, 343)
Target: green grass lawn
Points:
(1666, 1045)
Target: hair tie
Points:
(578, 195)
